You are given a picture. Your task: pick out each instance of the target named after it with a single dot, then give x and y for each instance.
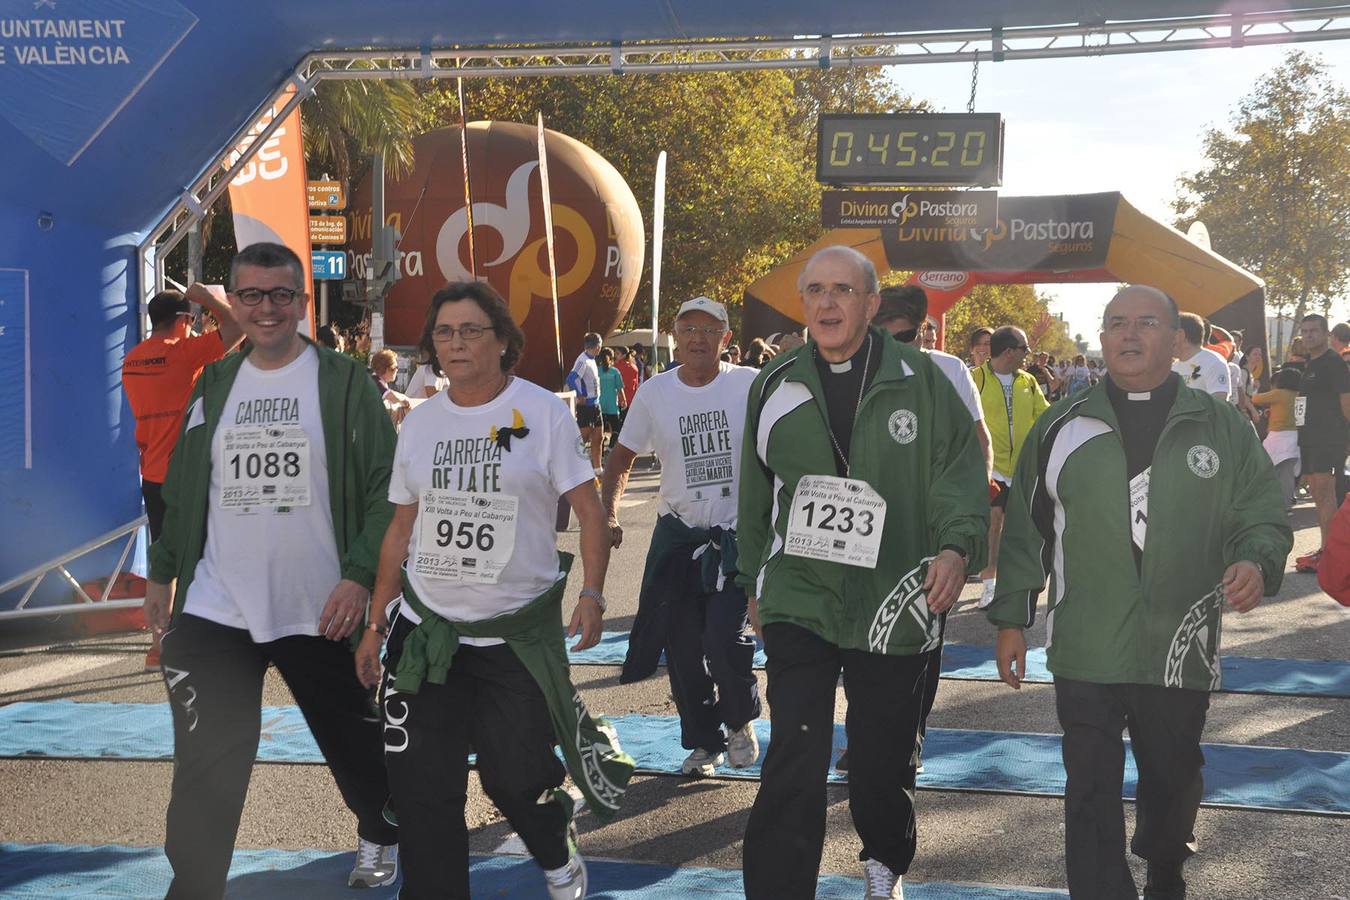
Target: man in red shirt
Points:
(628, 372)
(158, 375)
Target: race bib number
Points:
(1300, 411)
(1139, 507)
(264, 466)
(837, 520)
(465, 537)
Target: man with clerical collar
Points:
(1135, 620)
(862, 507)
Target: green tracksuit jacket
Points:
(914, 443)
(359, 439)
(1212, 500)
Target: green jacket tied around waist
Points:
(590, 746)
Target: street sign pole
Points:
(323, 302)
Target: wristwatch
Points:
(595, 595)
(959, 551)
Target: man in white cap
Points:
(693, 418)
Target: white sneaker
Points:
(882, 883)
(569, 882)
(376, 864)
(701, 762)
(986, 594)
(743, 746)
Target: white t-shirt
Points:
(957, 373)
(449, 449)
(268, 568)
(1235, 383)
(423, 378)
(1205, 371)
(585, 380)
(696, 433)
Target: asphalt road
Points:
(963, 837)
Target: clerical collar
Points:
(845, 367)
(1165, 392)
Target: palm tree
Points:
(347, 121)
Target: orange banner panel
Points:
(268, 195)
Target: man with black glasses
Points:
(1012, 401)
(275, 509)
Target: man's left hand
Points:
(344, 611)
(946, 577)
(587, 621)
(1243, 585)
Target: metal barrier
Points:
(34, 577)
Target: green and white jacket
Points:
(360, 441)
(914, 443)
(1212, 500)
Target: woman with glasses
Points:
(469, 591)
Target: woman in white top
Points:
(475, 485)
(426, 380)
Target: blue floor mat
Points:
(61, 871)
(1275, 778)
(975, 662)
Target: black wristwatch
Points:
(959, 551)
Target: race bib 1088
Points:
(264, 466)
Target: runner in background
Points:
(1199, 367)
(693, 418)
(613, 399)
(979, 345)
(1012, 401)
(584, 380)
(426, 381)
(158, 375)
(629, 373)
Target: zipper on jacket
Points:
(342, 458)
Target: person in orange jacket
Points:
(1333, 571)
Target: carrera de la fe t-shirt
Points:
(1205, 371)
(696, 432)
(486, 481)
(271, 558)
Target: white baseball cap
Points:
(705, 305)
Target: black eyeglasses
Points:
(280, 296)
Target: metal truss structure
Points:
(83, 603)
(977, 45)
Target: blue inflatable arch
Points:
(115, 116)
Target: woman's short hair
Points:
(382, 360)
(491, 303)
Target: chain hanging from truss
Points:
(974, 82)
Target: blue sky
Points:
(1125, 123)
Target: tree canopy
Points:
(1274, 191)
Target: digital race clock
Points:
(907, 148)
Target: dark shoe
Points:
(1165, 883)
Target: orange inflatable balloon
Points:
(599, 239)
